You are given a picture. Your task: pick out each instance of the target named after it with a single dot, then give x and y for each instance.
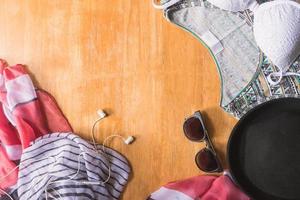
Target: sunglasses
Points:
(206, 159)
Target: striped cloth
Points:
(13, 194)
(54, 157)
(200, 187)
(25, 114)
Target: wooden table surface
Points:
(124, 57)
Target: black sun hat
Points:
(264, 151)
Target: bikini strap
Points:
(164, 5)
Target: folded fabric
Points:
(50, 167)
(25, 114)
(200, 187)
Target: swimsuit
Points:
(244, 70)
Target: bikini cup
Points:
(276, 27)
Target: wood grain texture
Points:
(124, 57)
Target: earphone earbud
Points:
(130, 139)
(101, 113)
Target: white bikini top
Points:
(276, 29)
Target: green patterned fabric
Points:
(240, 54)
(243, 71)
(259, 90)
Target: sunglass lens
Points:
(193, 129)
(207, 161)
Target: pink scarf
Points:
(25, 114)
(200, 187)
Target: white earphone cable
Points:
(102, 115)
(8, 195)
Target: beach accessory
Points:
(59, 159)
(263, 150)
(62, 165)
(276, 28)
(200, 187)
(25, 114)
(206, 159)
(229, 38)
(241, 88)
(260, 90)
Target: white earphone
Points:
(102, 114)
